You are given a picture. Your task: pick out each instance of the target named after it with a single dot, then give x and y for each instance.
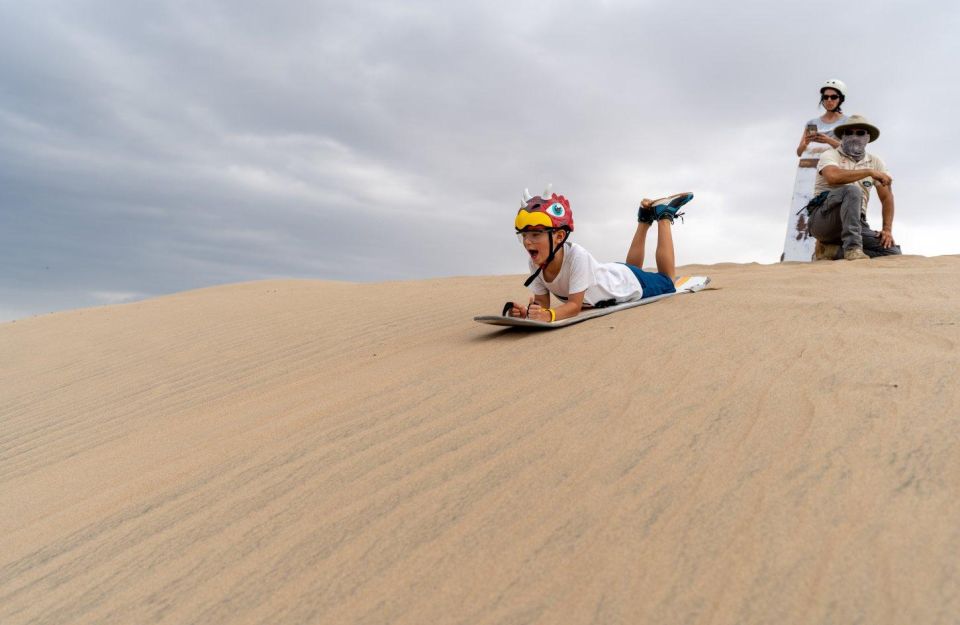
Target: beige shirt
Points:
(834, 156)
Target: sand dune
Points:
(784, 448)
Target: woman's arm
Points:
(822, 138)
(804, 141)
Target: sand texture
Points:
(782, 448)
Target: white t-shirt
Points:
(581, 272)
(814, 150)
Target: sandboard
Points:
(798, 244)
(687, 284)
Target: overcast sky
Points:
(153, 147)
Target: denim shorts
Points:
(653, 283)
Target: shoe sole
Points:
(668, 207)
(673, 201)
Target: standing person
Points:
(838, 213)
(819, 130)
(817, 137)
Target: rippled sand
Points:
(782, 448)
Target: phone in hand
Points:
(811, 130)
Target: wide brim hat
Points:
(858, 121)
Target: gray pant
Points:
(839, 221)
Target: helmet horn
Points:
(526, 196)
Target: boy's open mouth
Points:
(533, 254)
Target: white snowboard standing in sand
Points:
(798, 245)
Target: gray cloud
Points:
(154, 147)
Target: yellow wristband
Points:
(553, 315)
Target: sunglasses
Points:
(859, 133)
(829, 97)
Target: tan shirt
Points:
(834, 156)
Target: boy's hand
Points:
(518, 310)
(538, 312)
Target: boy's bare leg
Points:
(636, 251)
(666, 261)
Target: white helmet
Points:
(836, 84)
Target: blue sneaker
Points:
(667, 207)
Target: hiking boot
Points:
(855, 253)
(825, 251)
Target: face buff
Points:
(855, 147)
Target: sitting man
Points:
(838, 212)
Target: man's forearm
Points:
(835, 175)
(886, 203)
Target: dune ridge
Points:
(780, 448)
